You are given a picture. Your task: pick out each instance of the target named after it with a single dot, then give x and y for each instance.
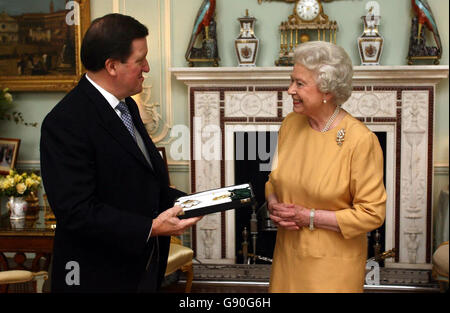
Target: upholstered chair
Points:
(180, 258)
(21, 276)
(440, 266)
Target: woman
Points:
(326, 191)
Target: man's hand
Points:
(168, 224)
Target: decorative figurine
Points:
(418, 50)
(247, 44)
(204, 25)
(370, 44)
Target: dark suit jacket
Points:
(104, 195)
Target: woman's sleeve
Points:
(367, 188)
(269, 187)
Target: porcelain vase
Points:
(370, 43)
(246, 44)
(17, 208)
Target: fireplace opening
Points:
(253, 153)
(376, 238)
(250, 165)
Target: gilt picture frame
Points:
(40, 44)
(9, 150)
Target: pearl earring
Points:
(324, 101)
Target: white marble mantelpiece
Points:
(211, 76)
(398, 100)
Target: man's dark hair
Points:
(110, 36)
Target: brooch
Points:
(340, 137)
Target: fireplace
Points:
(397, 101)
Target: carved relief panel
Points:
(414, 180)
(205, 152)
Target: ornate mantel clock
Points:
(308, 11)
(308, 17)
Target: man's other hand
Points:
(168, 224)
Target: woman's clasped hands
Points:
(289, 216)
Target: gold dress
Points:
(314, 171)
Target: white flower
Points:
(8, 97)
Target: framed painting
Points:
(9, 149)
(40, 43)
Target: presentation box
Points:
(216, 200)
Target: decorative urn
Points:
(370, 43)
(246, 44)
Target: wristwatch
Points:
(312, 213)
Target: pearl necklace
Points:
(331, 120)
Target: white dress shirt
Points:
(112, 100)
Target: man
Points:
(103, 176)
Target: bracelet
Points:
(312, 213)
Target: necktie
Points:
(128, 122)
(126, 118)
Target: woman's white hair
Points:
(332, 66)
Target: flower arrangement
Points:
(19, 185)
(6, 104)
